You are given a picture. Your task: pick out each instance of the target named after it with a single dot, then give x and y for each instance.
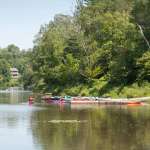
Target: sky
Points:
(20, 20)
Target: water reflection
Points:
(14, 97)
(97, 128)
(107, 128)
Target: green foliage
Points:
(13, 57)
(130, 91)
(98, 50)
(102, 51)
(4, 73)
(143, 64)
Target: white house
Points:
(14, 73)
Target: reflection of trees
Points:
(14, 97)
(106, 129)
(9, 120)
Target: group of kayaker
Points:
(85, 100)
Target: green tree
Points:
(4, 73)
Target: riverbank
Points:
(102, 88)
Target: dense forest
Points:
(102, 50)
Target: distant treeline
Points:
(103, 47)
(12, 57)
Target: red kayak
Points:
(135, 103)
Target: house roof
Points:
(14, 69)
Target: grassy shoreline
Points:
(100, 88)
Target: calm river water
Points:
(41, 127)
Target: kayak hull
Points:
(106, 102)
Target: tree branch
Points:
(142, 33)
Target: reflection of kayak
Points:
(135, 104)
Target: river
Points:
(49, 127)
